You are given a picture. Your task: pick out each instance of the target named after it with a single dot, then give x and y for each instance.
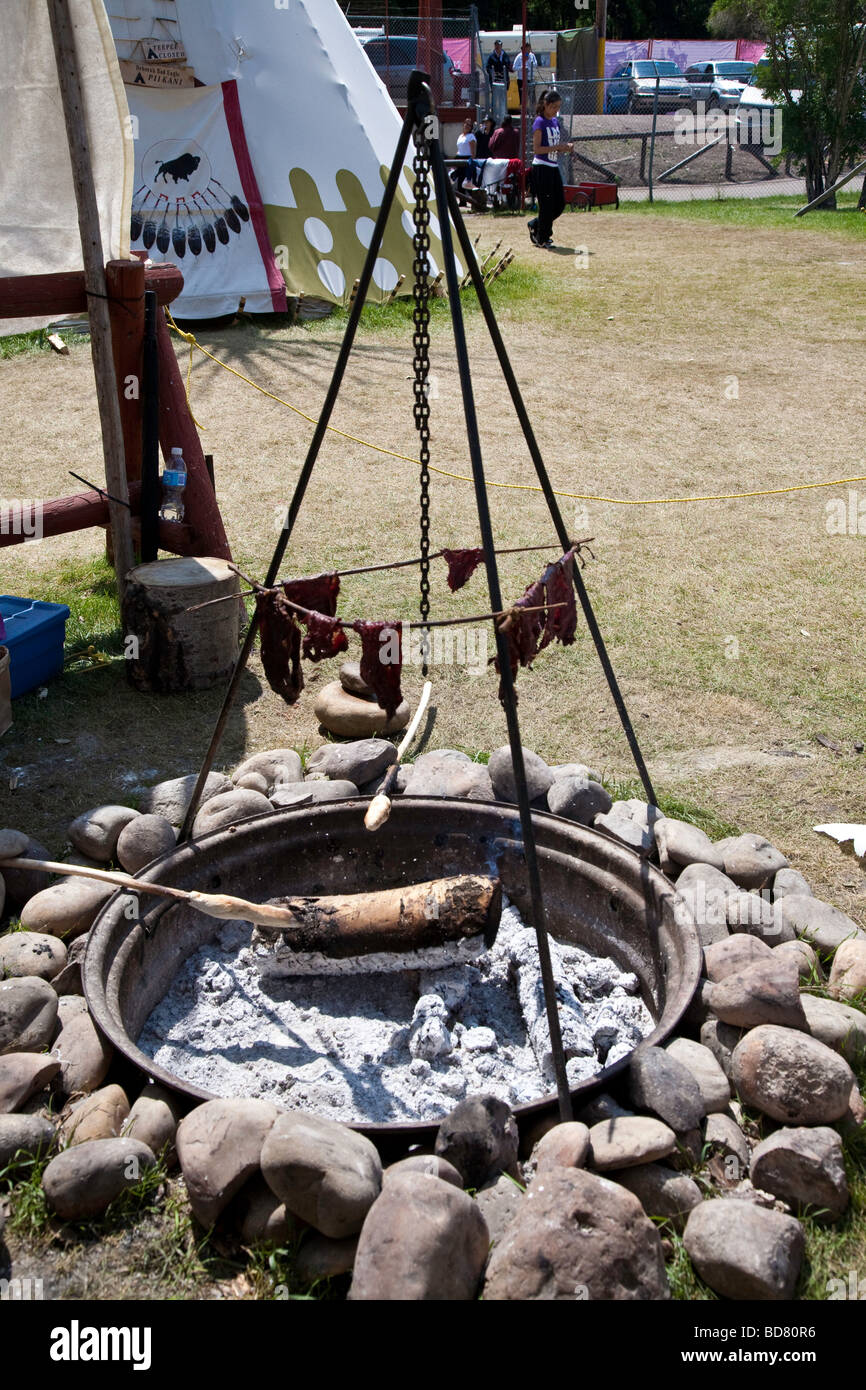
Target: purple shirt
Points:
(551, 134)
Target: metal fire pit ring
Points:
(597, 893)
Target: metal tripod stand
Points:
(422, 122)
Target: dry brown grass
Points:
(625, 368)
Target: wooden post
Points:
(125, 285)
(150, 485)
(430, 50)
(600, 40)
(177, 430)
(125, 281)
(86, 509)
(66, 59)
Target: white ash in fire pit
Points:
(388, 1047)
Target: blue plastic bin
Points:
(35, 634)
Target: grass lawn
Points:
(690, 349)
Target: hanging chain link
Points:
(421, 360)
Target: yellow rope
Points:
(514, 487)
(192, 344)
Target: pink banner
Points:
(750, 50)
(460, 52)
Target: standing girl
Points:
(547, 143)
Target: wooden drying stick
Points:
(346, 924)
(212, 904)
(380, 807)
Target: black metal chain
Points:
(421, 360)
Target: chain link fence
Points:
(662, 138)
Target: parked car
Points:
(718, 84)
(395, 59)
(633, 86)
(754, 104)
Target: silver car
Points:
(633, 86)
(718, 84)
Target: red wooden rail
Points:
(86, 509)
(37, 296)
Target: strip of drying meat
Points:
(324, 637)
(281, 644)
(462, 564)
(561, 620)
(527, 630)
(523, 630)
(378, 669)
(319, 593)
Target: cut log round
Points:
(170, 647)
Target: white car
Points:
(756, 107)
(718, 84)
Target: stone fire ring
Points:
(597, 893)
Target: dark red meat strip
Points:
(462, 564)
(319, 593)
(324, 637)
(523, 631)
(529, 633)
(281, 645)
(382, 676)
(560, 622)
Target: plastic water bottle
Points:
(173, 484)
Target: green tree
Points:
(736, 19)
(816, 48)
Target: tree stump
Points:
(171, 643)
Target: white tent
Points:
(38, 214)
(270, 175)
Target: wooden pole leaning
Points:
(66, 58)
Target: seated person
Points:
(505, 142)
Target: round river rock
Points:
(28, 1010)
(327, 1174)
(82, 1181)
(31, 953)
(577, 1236)
(144, 839)
(423, 1240)
(791, 1076)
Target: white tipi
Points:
(269, 176)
